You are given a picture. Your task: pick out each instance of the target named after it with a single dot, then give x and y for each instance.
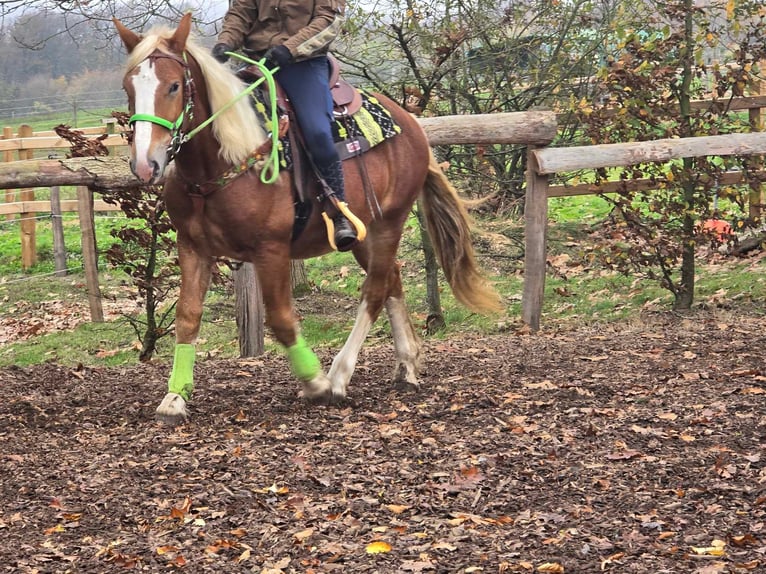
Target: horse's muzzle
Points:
(148, 172)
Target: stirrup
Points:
(342, 207)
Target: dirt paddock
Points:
(630, 449)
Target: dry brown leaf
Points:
(752, 565)
(303, 534)
(609, 559)
(744, 540)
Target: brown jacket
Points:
(305, 27)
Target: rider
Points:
(296, 36)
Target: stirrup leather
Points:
(342, 206)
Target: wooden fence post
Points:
(756, 117)
(249, 311)
(57, 223)
(10, 194)
(89, 257)
(535, 252)
(28, 223)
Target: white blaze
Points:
(145, 83)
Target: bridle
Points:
(177, 136)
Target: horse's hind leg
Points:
(407, 343)
(383, 286)
(196, 271)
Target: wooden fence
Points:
(535, 129)
(109, 173)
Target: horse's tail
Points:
(449, 226)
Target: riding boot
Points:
(345, 233)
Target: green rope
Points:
(272, 164)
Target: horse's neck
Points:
(198, 160)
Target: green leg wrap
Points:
(182, 376)
(304, 364)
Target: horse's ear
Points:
(177, 43)
(128, 37)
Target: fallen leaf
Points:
(667, 416)
(594, 358)
(378, 547)
(416, 565)
(716, 548)
(744, 540)
(553, 567)
(609, 559)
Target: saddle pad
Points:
(371, 125)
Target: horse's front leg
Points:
(273, 269)
(196, 271)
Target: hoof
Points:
(320, 391)
(407, 386)
(172, 410)
(406, 379)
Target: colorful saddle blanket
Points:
(354, 134)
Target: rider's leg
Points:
(306, 85)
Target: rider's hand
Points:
(278, 56)
(219, 52)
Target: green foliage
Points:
(479, 57)
(648, 91)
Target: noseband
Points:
(177, 136)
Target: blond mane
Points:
(237, 129)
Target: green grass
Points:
(10, 242)
(43, 123)
(578, 209)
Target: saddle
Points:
(347, 100)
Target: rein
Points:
(178, 137)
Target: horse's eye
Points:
(174, 88)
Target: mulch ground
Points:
(624, 449)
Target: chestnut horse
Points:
(173, 86)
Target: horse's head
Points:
(167, 71)
(158, 85)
